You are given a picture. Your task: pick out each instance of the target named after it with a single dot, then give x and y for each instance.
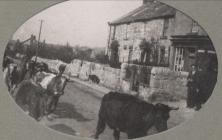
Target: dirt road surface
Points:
(77, 113)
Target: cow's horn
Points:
(174, 108)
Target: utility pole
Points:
(37, 49)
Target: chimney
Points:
(146, 1)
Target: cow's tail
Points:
(101, 121)
(100, 127)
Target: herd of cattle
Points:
(33, 86)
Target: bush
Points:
(101, 58)
(114, 58)
(145, 47)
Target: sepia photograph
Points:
(110, 70)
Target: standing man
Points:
(56, 87)
(192, 84)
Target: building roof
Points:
(148, 11)
(190, 38)
(195, 41)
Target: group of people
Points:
(200, 85)
(31, 83)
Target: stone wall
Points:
(74, 67)
(85, 70)
(159, 79)
(109, 77)
(165, 80)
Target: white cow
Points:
(44, 83)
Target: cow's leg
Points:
(51, 106)
(136, 134)
(42, 107)
(116, 134)
(100, 128)
(54, 103)
(34, 108)
(130, 135)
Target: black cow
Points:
(34, 97)
(126, 113)
(94, 79)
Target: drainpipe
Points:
(108, 45)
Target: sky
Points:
(83, 23)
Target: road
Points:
(77, 113)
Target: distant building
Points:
(178, 39)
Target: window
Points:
(165, 27)
(195, 28)
(179, 61)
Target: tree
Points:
(83, 54)
(101, 58)
(145, 48)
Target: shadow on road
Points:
(63, 128)
(96, 94)
(66, 110)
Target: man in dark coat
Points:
(58, 91)
(193, 88)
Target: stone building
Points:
(177, 38)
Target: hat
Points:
(62, 68)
